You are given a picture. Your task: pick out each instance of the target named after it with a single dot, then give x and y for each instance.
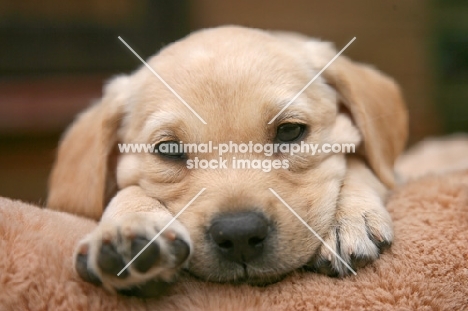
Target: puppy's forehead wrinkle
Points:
(159, 121)
(169, 124)
(300, 109)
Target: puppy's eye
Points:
(171, 149)
(289, 132)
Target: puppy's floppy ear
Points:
(80, 176)
(376, 105)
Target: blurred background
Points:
(55, 56)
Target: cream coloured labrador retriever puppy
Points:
(237, 80)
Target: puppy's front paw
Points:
(359, 235)
(102, 255)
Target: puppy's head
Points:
(237, 80)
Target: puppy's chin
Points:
(260, 281)
(240, 279)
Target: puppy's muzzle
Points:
(240, 237)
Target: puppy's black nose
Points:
(239, 237)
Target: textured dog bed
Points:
(426, 268)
